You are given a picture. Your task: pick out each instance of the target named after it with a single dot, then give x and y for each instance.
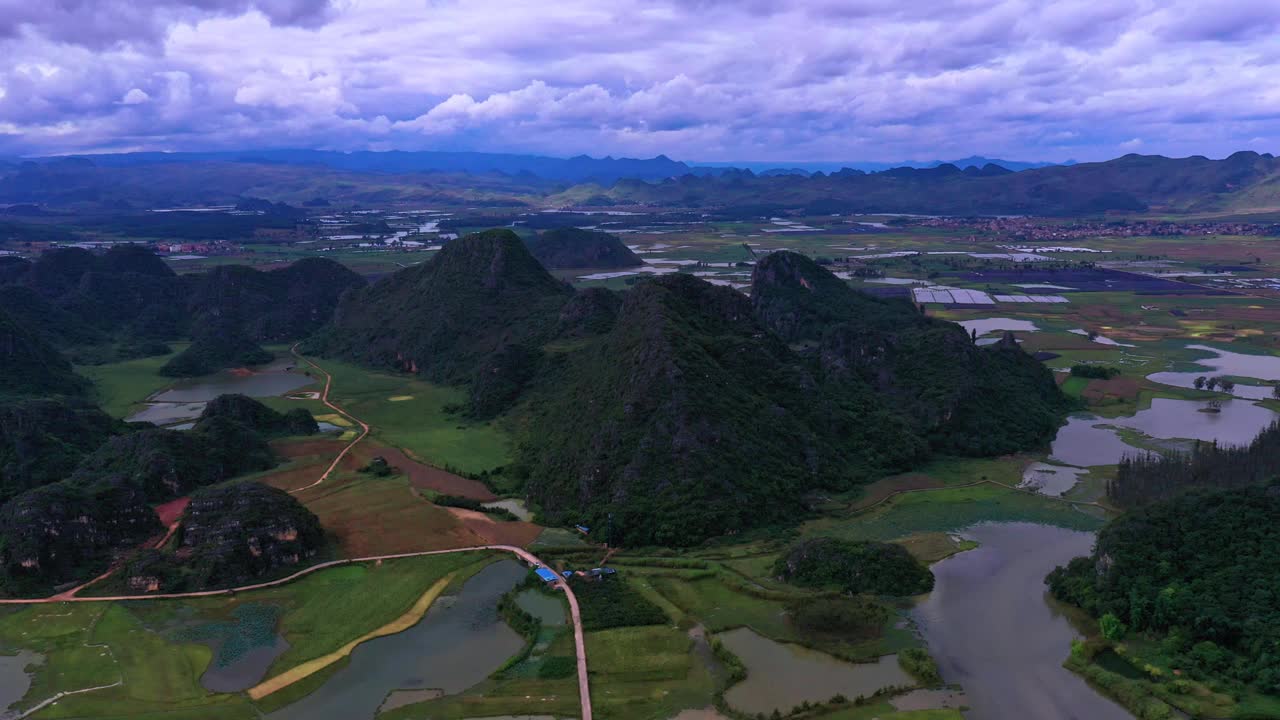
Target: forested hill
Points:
(679, 409)
(443, 317)
(1200, 570)
(965, 399)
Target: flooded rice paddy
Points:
(459, 642)
(993, 628)
(986, 326)
(780, 676)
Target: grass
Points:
(949, 510)
(121, 387)
(368, 515)
(419, 425)
(311, 667)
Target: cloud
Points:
(695, 79)
(135, 96)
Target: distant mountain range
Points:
(809, 168)
(129, 183)
(579, 169)
(575, 169)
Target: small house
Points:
(546, 575)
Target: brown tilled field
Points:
(375, 516)
(420, 474)
(497, 532)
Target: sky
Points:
(713, 80)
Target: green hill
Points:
(965, 399)
(442, 318)
(30, 367)
(680, 410)
(577, 248)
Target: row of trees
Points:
(1149, 477)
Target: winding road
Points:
(584, 689)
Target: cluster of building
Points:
(1039, 229)
(209, 247)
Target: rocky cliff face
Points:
(64, 532)
(231, 535)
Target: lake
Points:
(993, 629)
(1225, 362)
(459, 642)
(1083, 443)
(780, 676)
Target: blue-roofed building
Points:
(546, 575)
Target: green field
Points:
(418, 424)
(138, 645)
(121, 387)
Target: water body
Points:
(989, 325)
(1100, 339)
(269, 380)
(1085, 441)
(1224, 362)
(15, 681)
(539, 604)
(781, 675)
(459, 642)
(246, 670)
(993, 629)
(185, 399)
(1049, 479)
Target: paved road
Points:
(584, 688)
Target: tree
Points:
(1211, 384)
(1215, 405)
(1275, 391)
(1112, 628)
(1200, 381)
(1226, 385)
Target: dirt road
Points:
(584, 689)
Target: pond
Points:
(244, 647)
(993, 629)
(1048, 479)
(185, 399)
(985, 326)
(780, 676)
(459, 642)
(15, 681)
(270, 380)
(547, 608)
(1084, 442)
(1224, 362)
